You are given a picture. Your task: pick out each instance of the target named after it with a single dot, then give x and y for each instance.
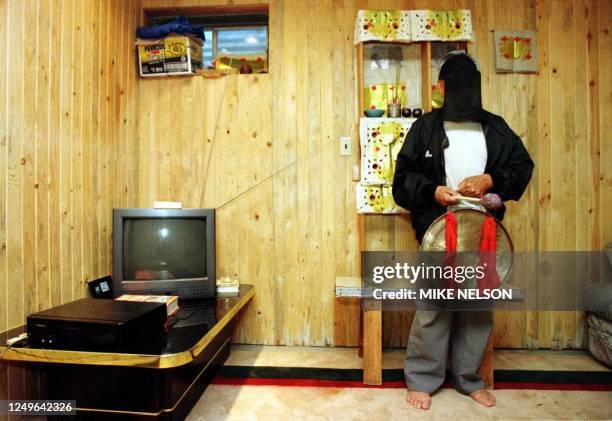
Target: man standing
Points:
(459, 149)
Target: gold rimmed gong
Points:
(469, 231)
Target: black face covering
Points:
(461, 78)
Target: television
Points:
(164, 252)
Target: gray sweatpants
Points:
(428, 347)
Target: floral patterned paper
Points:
(441, 25)
(382, 25)
(413, 25)
(376, 199)
(515, 51)
(381, 140)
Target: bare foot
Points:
(483, 397)
(419, 400)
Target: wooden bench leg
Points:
(370, 346)
(372, 342)
(360, 339)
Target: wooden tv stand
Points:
(113, 385)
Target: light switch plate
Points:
(346, 146)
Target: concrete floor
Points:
(272, 403)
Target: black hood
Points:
(462, 98)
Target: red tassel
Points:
(451, 246)
(488, 260)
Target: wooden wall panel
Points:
(62, 90)
(3, 180)
(309, 233)
(264, 152)
(56, 134)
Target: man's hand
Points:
(476, 185)
(446, 196)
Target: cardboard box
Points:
(151, 57)
(174, 55)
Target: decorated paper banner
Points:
(381, 140)
(441, 25)
(382, 25)
(515, 51)
(376, 199)
(413, 25)
(378, 96)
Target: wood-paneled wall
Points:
(265, 154)
(67, 83)
(263, 150)
(81, 134)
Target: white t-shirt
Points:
(465, 156)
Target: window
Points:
(238, 36)
(235, 41)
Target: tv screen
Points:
(164, 251)
(164, 248)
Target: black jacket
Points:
(420, 166)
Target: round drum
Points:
(469, 230)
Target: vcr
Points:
(100, 325)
